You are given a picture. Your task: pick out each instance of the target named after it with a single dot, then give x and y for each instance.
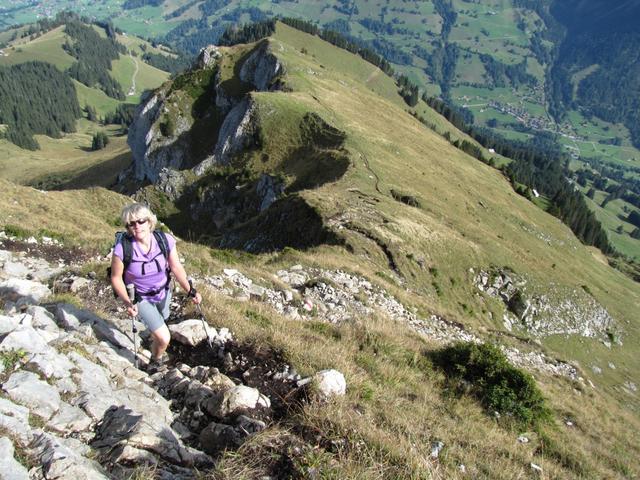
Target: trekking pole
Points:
(204, 323)
(131, 291)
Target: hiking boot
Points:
(158, 364)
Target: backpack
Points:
(127, 254)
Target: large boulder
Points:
(236, 400)
(191, 332)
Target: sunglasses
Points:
(133, 223)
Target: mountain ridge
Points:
(417, 220)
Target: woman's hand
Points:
(197, 298)
(132, 310)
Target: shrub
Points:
(16, 231)
(100, 140)
(498, 385)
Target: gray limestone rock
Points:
(109, 333)
(98, 391)
(23, 291)
(261, 68)
(58, 461)
(268, 189)
(78, 284)
(14, 269)
(49, 364)
(330, 383)
(8, 323)
(10, 468)
(15, 418)
(70, 317)
(25, 339)
(237, 132)
(124, 427)
(191, 332)
(42, 318)
(116, 360)
(27, 389)
(237, 399)
(69, 419)
(208, 56)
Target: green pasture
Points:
(610, 219)
(67, 158)
(536, 69)
(497, 21)
(469, 70)
(144, 22)
(146, 77)
(470, 95)
(46, 48)
(95, 98)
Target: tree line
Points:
(94, 55)
(35, 97)
(536, 164)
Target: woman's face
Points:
(139, 227)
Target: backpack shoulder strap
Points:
(127, 247)
(163, 243)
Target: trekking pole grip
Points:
(131, 292)
(192, 291)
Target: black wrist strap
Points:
(192, 292)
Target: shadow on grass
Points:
(103, 174)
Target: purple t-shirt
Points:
(147, 271)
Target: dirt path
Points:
(132, 90)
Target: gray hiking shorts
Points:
(153, 315)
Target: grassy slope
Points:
(67, 158)
(396, 404)
(46, 48)
(470, 217)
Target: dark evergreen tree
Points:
(35, 97)
(94, 55)
(100, 140)
(634, 218)
(92, 116)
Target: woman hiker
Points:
(147, 258)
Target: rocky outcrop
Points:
(157, 148)
(262, 68)
(238, 132)
(152, 149)
(98, 416)
(562, 311)
(92, 402)
(208, 56)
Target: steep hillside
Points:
(361, 241)
(324, 146)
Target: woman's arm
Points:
(117, 269)
(180, 274)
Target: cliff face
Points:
(198, 121)
(153, 151)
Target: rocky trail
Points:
(72, 404)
